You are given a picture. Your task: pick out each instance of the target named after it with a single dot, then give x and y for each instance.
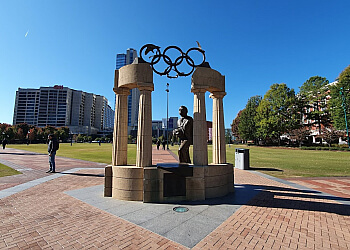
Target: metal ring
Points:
(173, 47)
(172, 66)
(198, 49)
(182, 73)
(155, 54)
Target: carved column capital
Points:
(217, 94)
(200, 89)
(121, 91)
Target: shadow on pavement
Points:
(279, 197)
(29, 153)
(266, 169)
(79, 174)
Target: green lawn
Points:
(7, 171)
(83, 151)
(279, 162)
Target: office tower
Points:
(133, 98)
(58, 106)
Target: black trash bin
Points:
(242, 158)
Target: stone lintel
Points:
(209, 78)
(135, 75)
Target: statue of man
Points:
(185, 133)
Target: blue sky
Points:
(253, 43)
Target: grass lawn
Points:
(278, 162)
(7, 171)
(82, 151)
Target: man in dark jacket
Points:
(52, 148)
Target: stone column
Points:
(144, 130)
(120, 132)
(200, 149)
(218, 131)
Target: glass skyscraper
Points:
(133, 98)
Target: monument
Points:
(185, 133)
(169, 182)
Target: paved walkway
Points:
(281, 215)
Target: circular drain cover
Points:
(180, 209)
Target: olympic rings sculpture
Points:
(172, 65)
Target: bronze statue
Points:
(185, 133)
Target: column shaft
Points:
(144, 133)
(200, 148)
(218, 131)
(120, 132)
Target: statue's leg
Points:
(186, 151)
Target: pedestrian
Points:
(164, 143)
(4, 142)
(158, 144)
(51, 149)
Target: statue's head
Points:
(183, 111)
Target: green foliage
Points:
(340, 99)
(314, 92)
(247, 127)
(277, 112)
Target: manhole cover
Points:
(180, 209)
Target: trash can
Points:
(242, 158)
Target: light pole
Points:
(344, 108)
(167, 114)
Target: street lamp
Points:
(344, 108)
(167, 114)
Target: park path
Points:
(280, 216)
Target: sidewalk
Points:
(282, 214)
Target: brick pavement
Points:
(338, 186)
(279, 217)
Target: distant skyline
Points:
(254, 43)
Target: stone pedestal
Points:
(200, 148)
(218, 131)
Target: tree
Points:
(277, 112)
(247, 128)
(315, 91)
(336, 102)
(235, 124)
(299, 134)
(330, 135)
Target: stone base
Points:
(169, 182)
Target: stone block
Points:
(128, 195)
(213, 192)
(127, 184)
(108, 181)
(216, 181)
(195, 194)
(151, 197)
(128, 172)
(198, 171)
(150, 173)
(217, 169)
(195, 183)
(107, 192)
(151, 185)
(108, 171)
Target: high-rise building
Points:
(82, 112)
(133, 98)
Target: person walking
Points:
(158, 144)
(51, 149)
(164, 143)
(4, 142)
